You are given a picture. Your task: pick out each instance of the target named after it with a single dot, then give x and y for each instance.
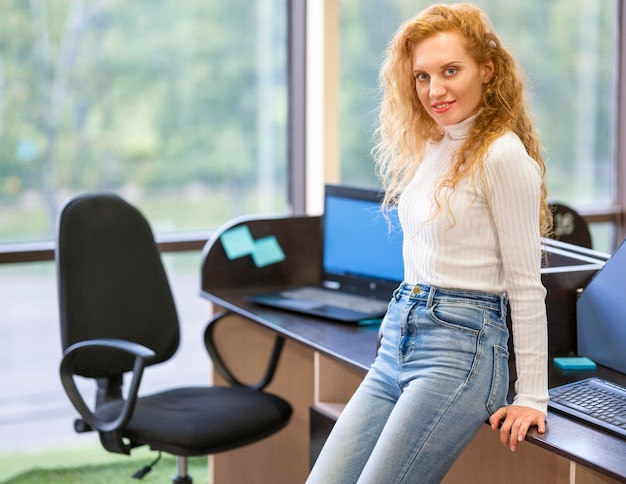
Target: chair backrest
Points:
(112, 283)
(569, 226)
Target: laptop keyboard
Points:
(337, 299)
(594, 400)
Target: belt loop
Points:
(397, 293)
(502, 305)
(431, 296)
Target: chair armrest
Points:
(224, 371)
(142, 355)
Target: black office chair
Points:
(569, 226)
(118, 315)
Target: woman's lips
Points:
(440, 108)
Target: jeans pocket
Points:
(499, 379)
(460, 316)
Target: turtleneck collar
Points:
(459, 131)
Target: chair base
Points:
(182, 480)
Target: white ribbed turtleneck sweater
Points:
(485, 237)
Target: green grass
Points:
(93, 465)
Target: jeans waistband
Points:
(431, 294)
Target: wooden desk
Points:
(323, 362)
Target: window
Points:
(567, 50)
(181, 107)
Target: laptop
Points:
(361, 260)
(601, 337)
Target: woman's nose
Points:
(437, 87)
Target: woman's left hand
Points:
(516, 420)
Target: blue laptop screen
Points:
(359, 240)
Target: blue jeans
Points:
(441, 371)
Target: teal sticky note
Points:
(267, 251)
(574, 363)
(370, 322)
(237, 242)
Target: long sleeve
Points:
(515, 193)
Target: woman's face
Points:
(448, 81)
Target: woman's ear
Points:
(488, 71)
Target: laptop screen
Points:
(601, 324)
(358, 239)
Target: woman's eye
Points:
(421, 77)
(450, 71)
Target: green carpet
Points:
(93, 465)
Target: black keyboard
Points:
(595, 401)
(337, 299)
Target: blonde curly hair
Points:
(405, 127)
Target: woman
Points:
(458, 153)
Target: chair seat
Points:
(195, 421)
